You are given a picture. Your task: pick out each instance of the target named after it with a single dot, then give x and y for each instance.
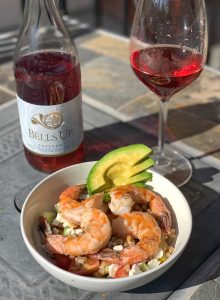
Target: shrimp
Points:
(123, 199)
(141, 226)
(71, 208)
(96, 235)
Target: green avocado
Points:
(50, 216)
(125, 165)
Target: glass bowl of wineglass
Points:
(168, 49)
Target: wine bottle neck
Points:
(42, 13)
(43, 29)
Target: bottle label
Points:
(51, 130)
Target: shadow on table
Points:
(184, 122)
(204, 202)
(144, 130)
(204, 175)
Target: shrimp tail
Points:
(107, 255)
(165, 221)
(133, 255)
(161, 212)
(53, 244)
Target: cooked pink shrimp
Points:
(71, 208)
(96, 234)
(141, 226)
(123, 199)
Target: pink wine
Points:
(166, 69)
(49, 78)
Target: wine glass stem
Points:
(162, 125)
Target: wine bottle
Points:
(48, 81)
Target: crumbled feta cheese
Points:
(60, 218)
(118, 248)
(135, 270)
(112, 269)
(80, 259)
(55, 222)
(69, 231)
(78, 231)
(72, 231)
(159, 254)
(153, 263)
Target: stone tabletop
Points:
(194, 113)
(119, 110)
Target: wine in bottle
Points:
(48, 80)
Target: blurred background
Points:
(84, 16)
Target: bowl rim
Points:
(65, 273)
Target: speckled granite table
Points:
(118, 111)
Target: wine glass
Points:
(168, 49)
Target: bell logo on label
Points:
(51, 130)
(51, 121)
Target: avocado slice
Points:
(140, 184)
(122, 180)
(142, 166)
(125, 165)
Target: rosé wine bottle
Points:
(48, 80)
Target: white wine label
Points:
(51, 130)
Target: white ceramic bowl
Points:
(43, 197)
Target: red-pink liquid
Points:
(166, 70)
(49, 78)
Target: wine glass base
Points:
(172, 165)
